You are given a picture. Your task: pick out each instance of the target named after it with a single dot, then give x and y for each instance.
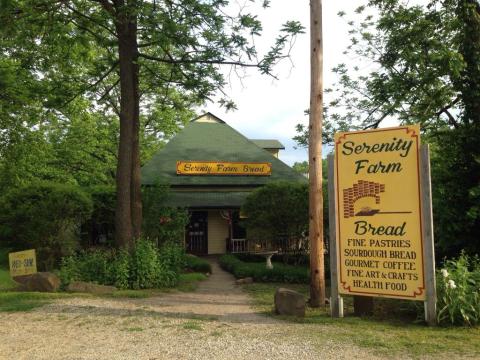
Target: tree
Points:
(423, 68)
(301, 167)
(164, 54)
(278, 211)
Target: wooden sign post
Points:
(381, 218)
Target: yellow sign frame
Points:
(379, 231)
(223, 168)
(22, 263)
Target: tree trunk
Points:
(317, 285)
(127, 52)
(136, 190)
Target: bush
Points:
(142, 268)
(173, 255)
(160, 222)
(196, 264)
(149, 268)
(258, 271)
(277, 215)
(100, 226)
(458, 291)
(45, 217)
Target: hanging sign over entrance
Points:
(223, 168)
(379, 228)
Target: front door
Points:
(197, 233)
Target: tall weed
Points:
(458, 291)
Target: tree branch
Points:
(107, 6)
(91, 86)
(445, 110)
(171, 60)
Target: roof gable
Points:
(208, 118)
(212, 141)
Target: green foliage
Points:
(161, 223)
(418, 63)
(456, 199)
(172, 254)
(100, 227)
(458, 291)
(277, 211)
(196, 264)
(6, 282)
(147, 268)
(144, 267)
(259, 272)
(301, 167)
(45, 217)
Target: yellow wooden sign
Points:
(22, 263)
(379, 228)
(224, 168)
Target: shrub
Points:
(146, 268)
(196, 264)
(277, 215)
(142, 268)
(160, 222)
(458, 291)
(100, 226)
(45, 217)
(118, 273)
(259, 272)
(173, 255)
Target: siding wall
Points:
(217, 233)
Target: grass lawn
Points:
(383, 333)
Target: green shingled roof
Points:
(212, 141)
(207, 199)
(268, 143)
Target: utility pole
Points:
(317, 271)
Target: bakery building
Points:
(211, 169)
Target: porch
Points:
(220, 231)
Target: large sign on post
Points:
(379, 213)
(22, 263)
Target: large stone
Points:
(41, 281)
(86, 287)
(289, 302)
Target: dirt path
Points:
(214, 322)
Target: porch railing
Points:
(238, 245)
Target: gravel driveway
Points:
(214, 322)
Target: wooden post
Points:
(336, 301)
(317, 271)
(428, 245)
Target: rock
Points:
(41, 281)
(247, 280)
(289, 302)
(86, 287)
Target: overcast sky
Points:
(270, 108)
